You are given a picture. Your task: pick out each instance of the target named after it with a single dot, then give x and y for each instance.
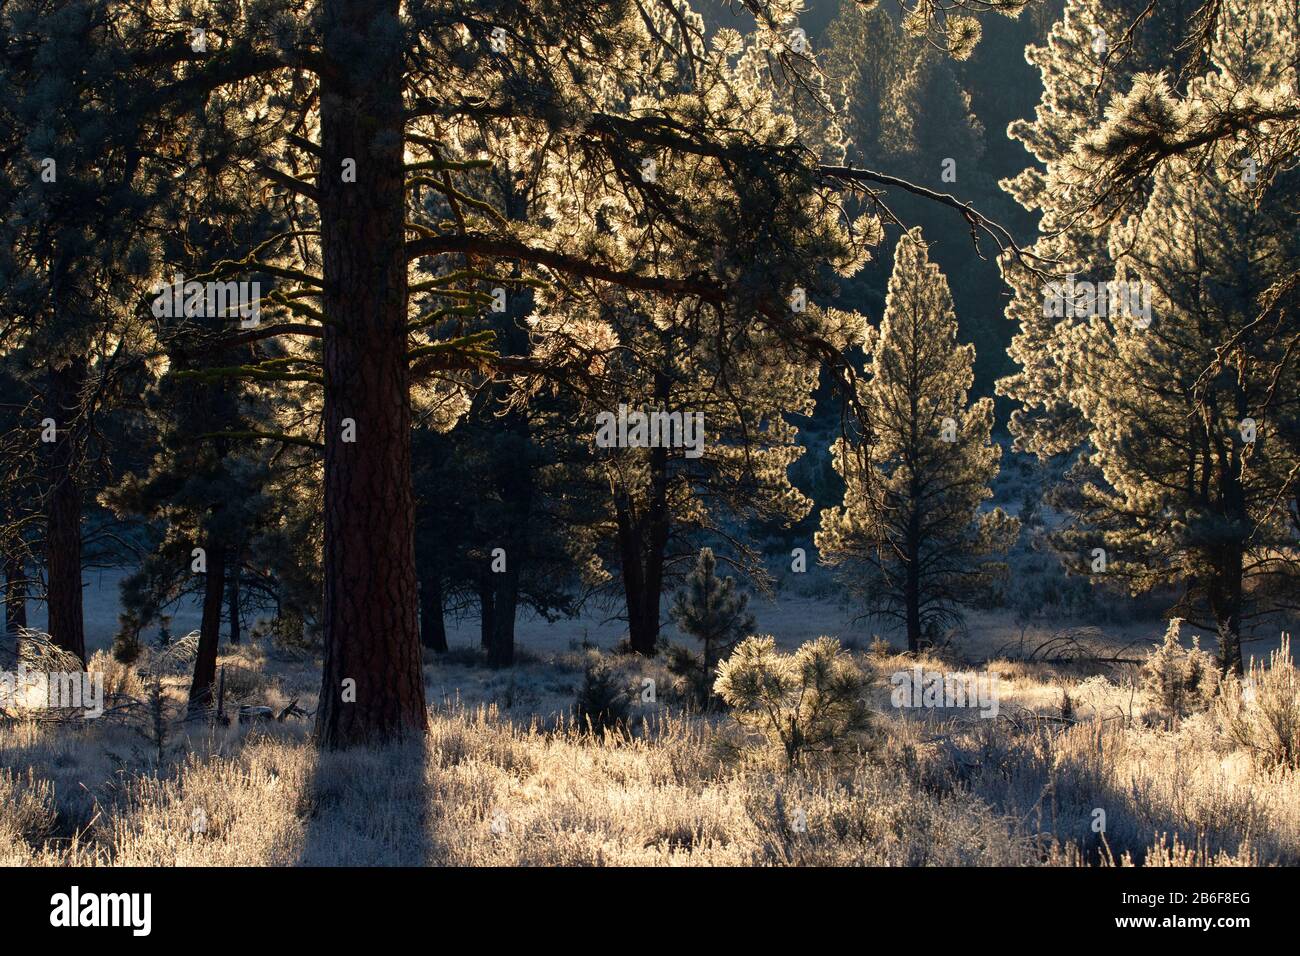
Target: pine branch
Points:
(248, 372)
(266, 436)
(468, 344)
(437, 315)
(291, 183)
(979, 223)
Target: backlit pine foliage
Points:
(911, 534)
(809, 703)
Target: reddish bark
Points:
(370, 619)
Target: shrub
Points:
(38, 652)
(810, 702)
(290, 634)
(1262, 712)
(243, 685)
(1178, 681)
(694, 680)
(120, 680)
(127, 646)
(1067, 705)
(603, 702)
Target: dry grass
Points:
(502, 779)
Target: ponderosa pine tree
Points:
(1236, 89)
(507, 544)
(1163, 480)
(1186, 475)
(911, 533)
(689, 360)
(206, 498)
(1243, 103)
(201, 489)
(905, 108)
(711, 610)
(902, 99)
(464, 513)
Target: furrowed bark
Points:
(372, 688)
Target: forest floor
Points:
(504, 777)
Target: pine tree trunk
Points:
(643, 629)
(912, 583)
(372, 688)
(232, 602)
(433, 627)
(205, 662)
(912, 596)
(633, 587)
(656, 546)
(15, 592)
(487, 600)
(1226, 589)
(505, 605)
(642, 569)
(1226, 598)
(516, 486)
(514, 479)
(644, 560)
(66, 624)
